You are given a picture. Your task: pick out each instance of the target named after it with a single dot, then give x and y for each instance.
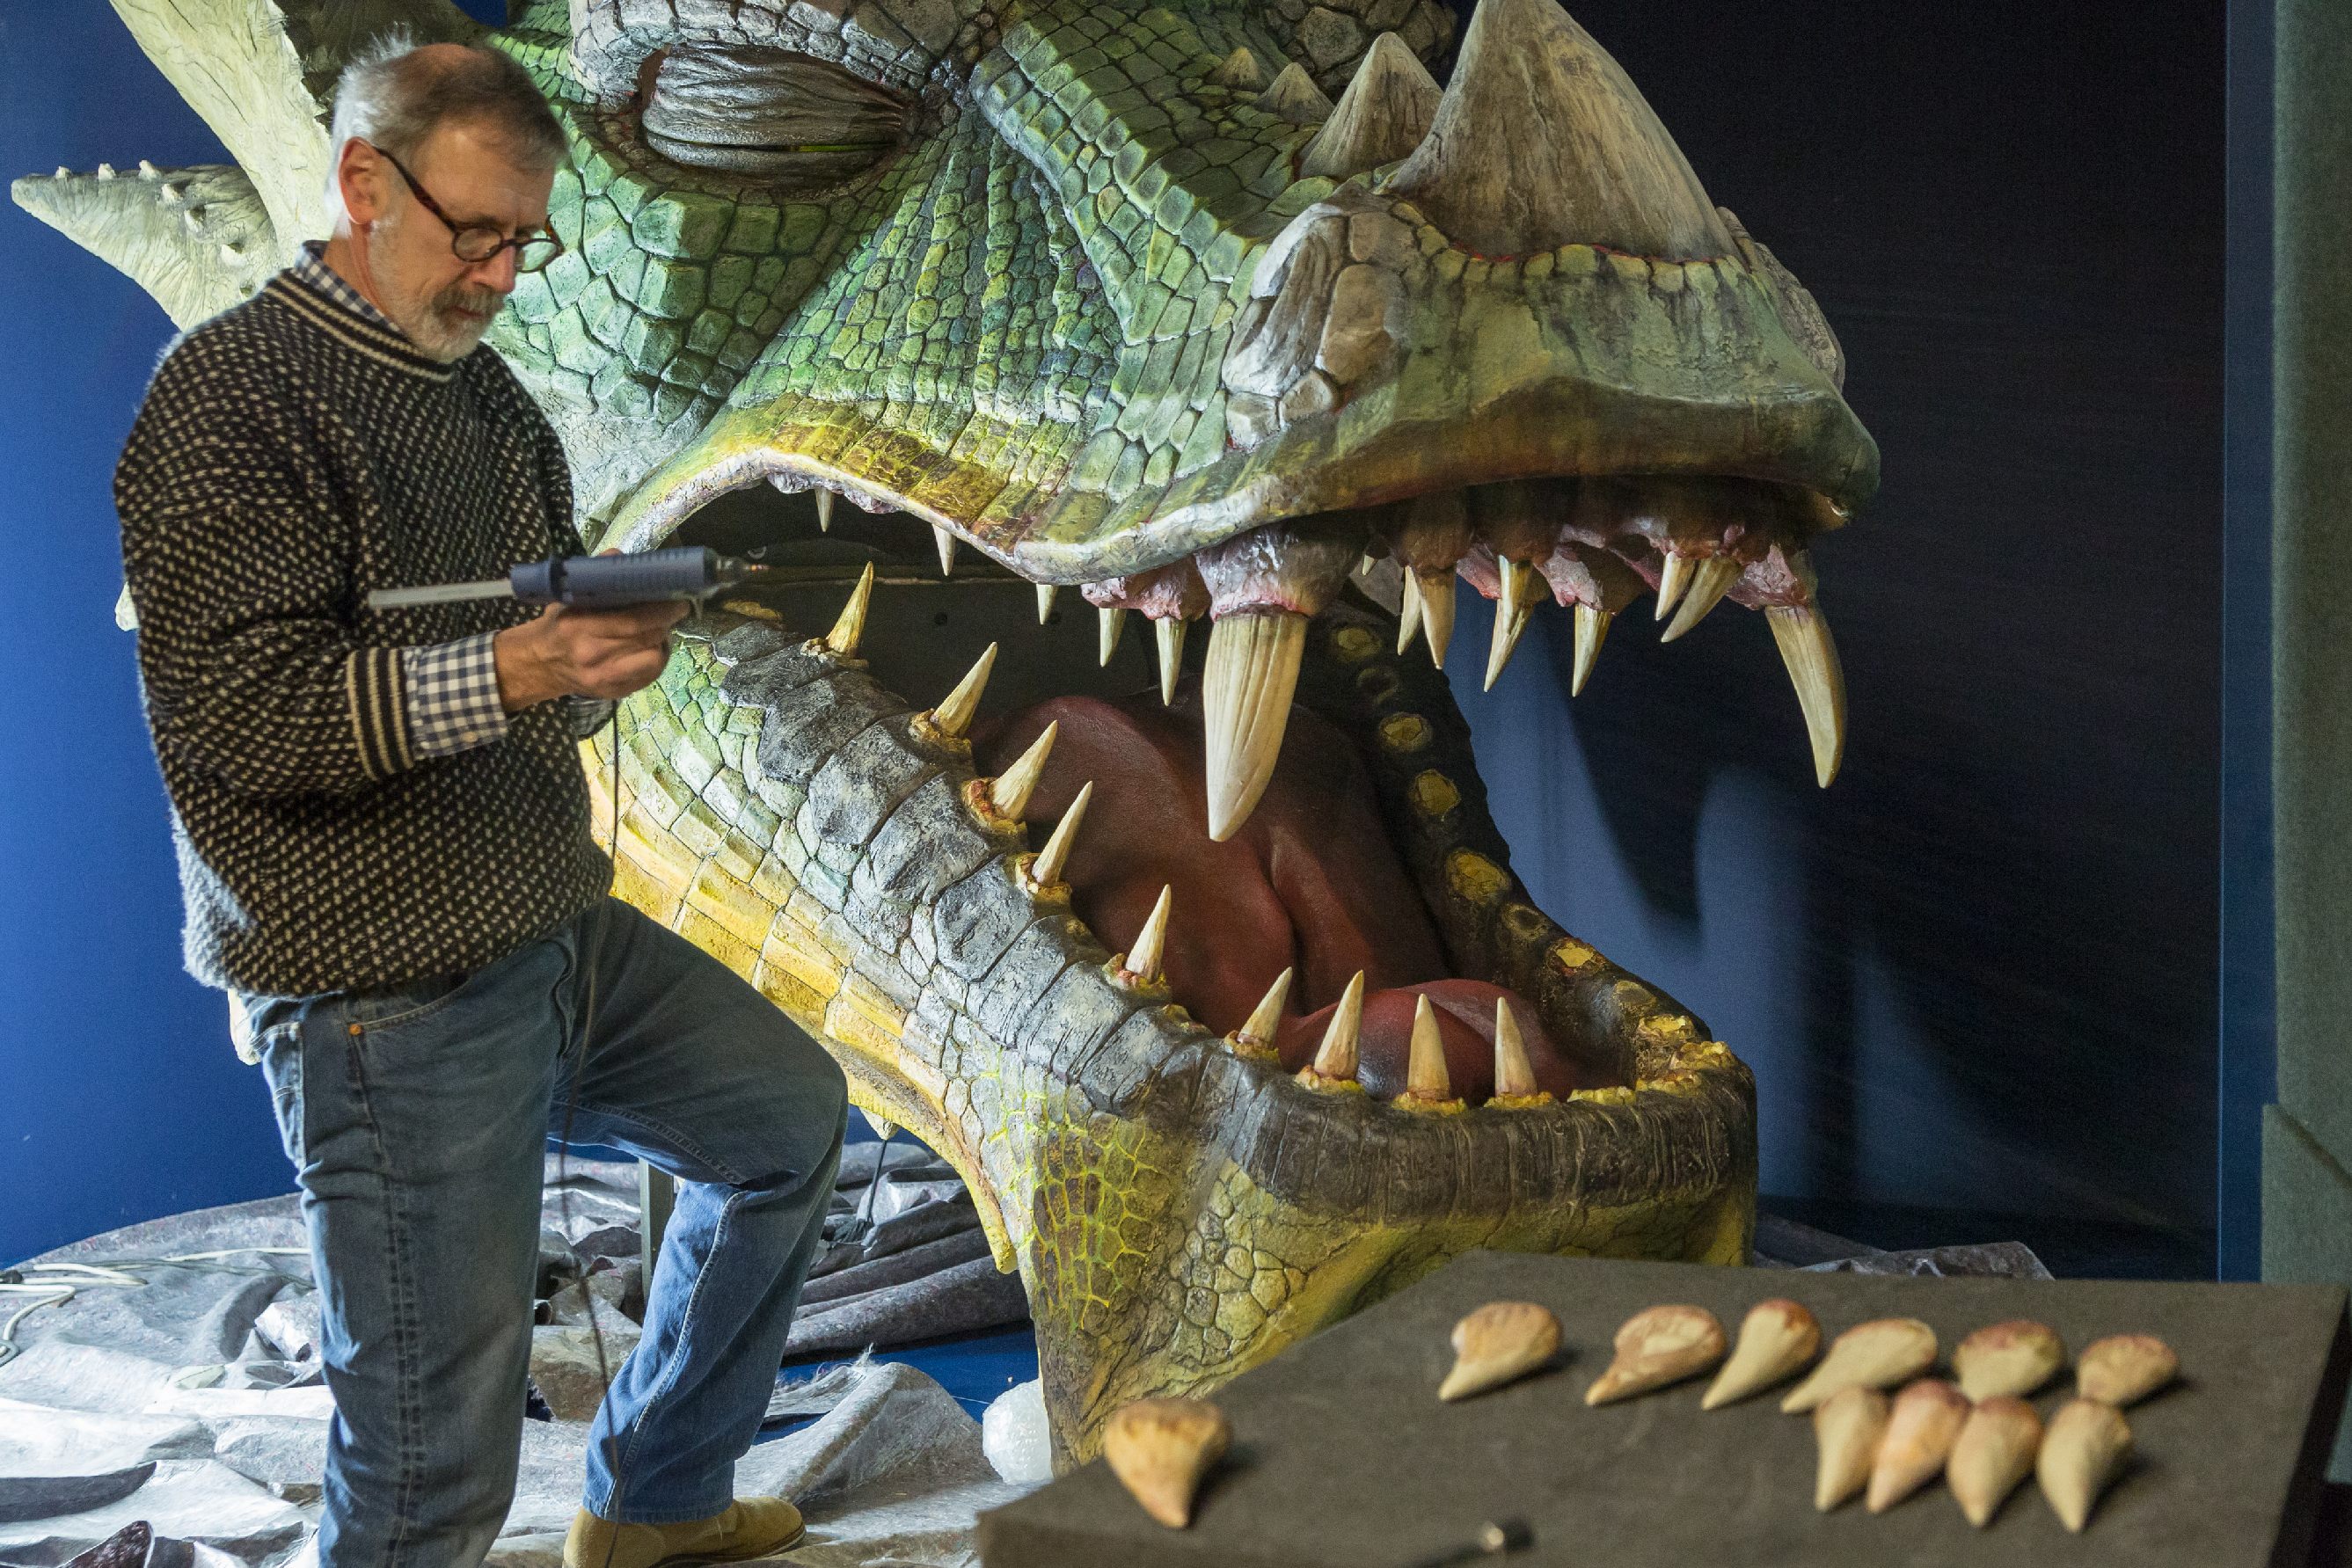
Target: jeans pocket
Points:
(280, 1047)
(393, 1006)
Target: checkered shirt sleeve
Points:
(453, 698)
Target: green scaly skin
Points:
(1089, 316)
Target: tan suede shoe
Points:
(751, 1527)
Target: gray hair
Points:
(392, 96)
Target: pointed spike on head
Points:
(1113, 623)
(1335, 1058)
(823, 510)
(953, 716)
(1514, 1076)
(1425, 1077)
(1592, 631)
(1046, 591)
(1542, 140)
(1246, 687)
(1812, 656)
(1169, 634)
(1710, 582)
(1241, 71)
(1046, 869)
(1383, 115)
(1257, 1035)
(1292, 95)
(1437, 613)
(1009, 792)
(1144, 963)
(846, 631)
(944, 537)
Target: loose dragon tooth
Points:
(2123, 1369)
(1427, 1085)
(823, 510)
(1847, 1428)
(1009, 792)
(1046, 870)
(1255, 1037)
(1777, 1338)
(1995, 1450)
(1161, 1449)
(1169, 634)
(1112, 624)
(1657, 1347)
(1498, 1343)
(946, 541)
(953, 716)
(846, 631)
(1522, 589)
(1046, 591)
(1592, 631)
(1875, 1355)
(1334, 1066)
(2082, 1452)
(1246, 688)
(1920, 1431)
(2012, 1358)
(1142, 966)
(1711, 580)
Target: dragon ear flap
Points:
(197, 239)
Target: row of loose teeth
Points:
(1592, 546)
(1002, 802)
(1981, 1435)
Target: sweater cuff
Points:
(453, 695)
(375, 681)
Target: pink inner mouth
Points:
(1311, 883)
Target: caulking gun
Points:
(591, 582)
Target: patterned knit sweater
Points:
(290, 457)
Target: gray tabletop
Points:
(1343, 1455)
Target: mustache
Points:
(458, 297)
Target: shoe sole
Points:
(694, 1559)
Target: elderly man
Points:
(385, 855)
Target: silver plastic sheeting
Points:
(191, 1399)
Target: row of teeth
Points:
(1002, 803)
(1619, 539)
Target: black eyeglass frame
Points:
(524, 261)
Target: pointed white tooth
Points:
(1143, 964)
(1711, 580)
(1046, 591)
(1009, 792)
(1437, 613)
(1514, 603)
(1408, 616)
(1335, 1059)
(1592, 631)
(846, 631)
(823, 510)
(147, 171)
(953, 716)
(1257, 1036)
(1170, 633)
(1246, 688)
(106, 171)
(1113, 623)
(1672, 581)
(1812, 656)
(1046, 869)
(946, 541)
(1514, 1076)
(1426, 1082)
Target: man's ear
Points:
(360, 173)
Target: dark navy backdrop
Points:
(1975, 980)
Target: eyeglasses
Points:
(479, 242)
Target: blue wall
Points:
(1977, 975)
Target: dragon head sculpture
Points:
(1210, 308)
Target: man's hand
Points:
(583, 653)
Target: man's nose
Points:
(497, 272)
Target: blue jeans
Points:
(416, 1118)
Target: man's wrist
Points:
(524, 679)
